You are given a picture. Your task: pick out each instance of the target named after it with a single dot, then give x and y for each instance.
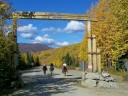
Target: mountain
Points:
(26, 47)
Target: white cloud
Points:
(45, 39)
(27, 29)
(27, 35)
(51, 29)
(74, 26)
(71, 27)
(62, 43)
(46, 36)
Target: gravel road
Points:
(37, 84)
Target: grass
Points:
(119, 74)
(116, 72)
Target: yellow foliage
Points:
(55, 55)
(111, 29)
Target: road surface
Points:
(37, 84)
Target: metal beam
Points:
(51, 16)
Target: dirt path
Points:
(36, 84)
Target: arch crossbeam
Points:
(51, 16)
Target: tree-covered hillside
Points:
(26, 47)
(58, 56)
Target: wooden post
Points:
(88, 26)
(126, 66)
(14, 29)
(94, 53)
(99, 60)
(83, 78)
(15, 54)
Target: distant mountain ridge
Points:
(26, 47)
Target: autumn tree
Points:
(7, 68)
(83, 51)
(120, 14)
(111, 30)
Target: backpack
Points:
(51, 68)
(44, 68)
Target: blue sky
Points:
(54, 33)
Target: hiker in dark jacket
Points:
(51, 68)
(44, 68)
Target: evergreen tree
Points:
(67, 59)
(28, 60)
(31, 58)
(21, 61)
(37, 63)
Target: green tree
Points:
(31, 58)
(37, 63)
(67, 59)
(21, 61)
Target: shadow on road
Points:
(40, 85)
(30, 71)
(68, 75)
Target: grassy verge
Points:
(119, 75)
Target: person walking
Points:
(51, 68)
(64, 69)
(44, 68)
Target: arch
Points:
(57, 16)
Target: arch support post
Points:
(88, 29)
(14, 38)
(99, 60)
(94, 53)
